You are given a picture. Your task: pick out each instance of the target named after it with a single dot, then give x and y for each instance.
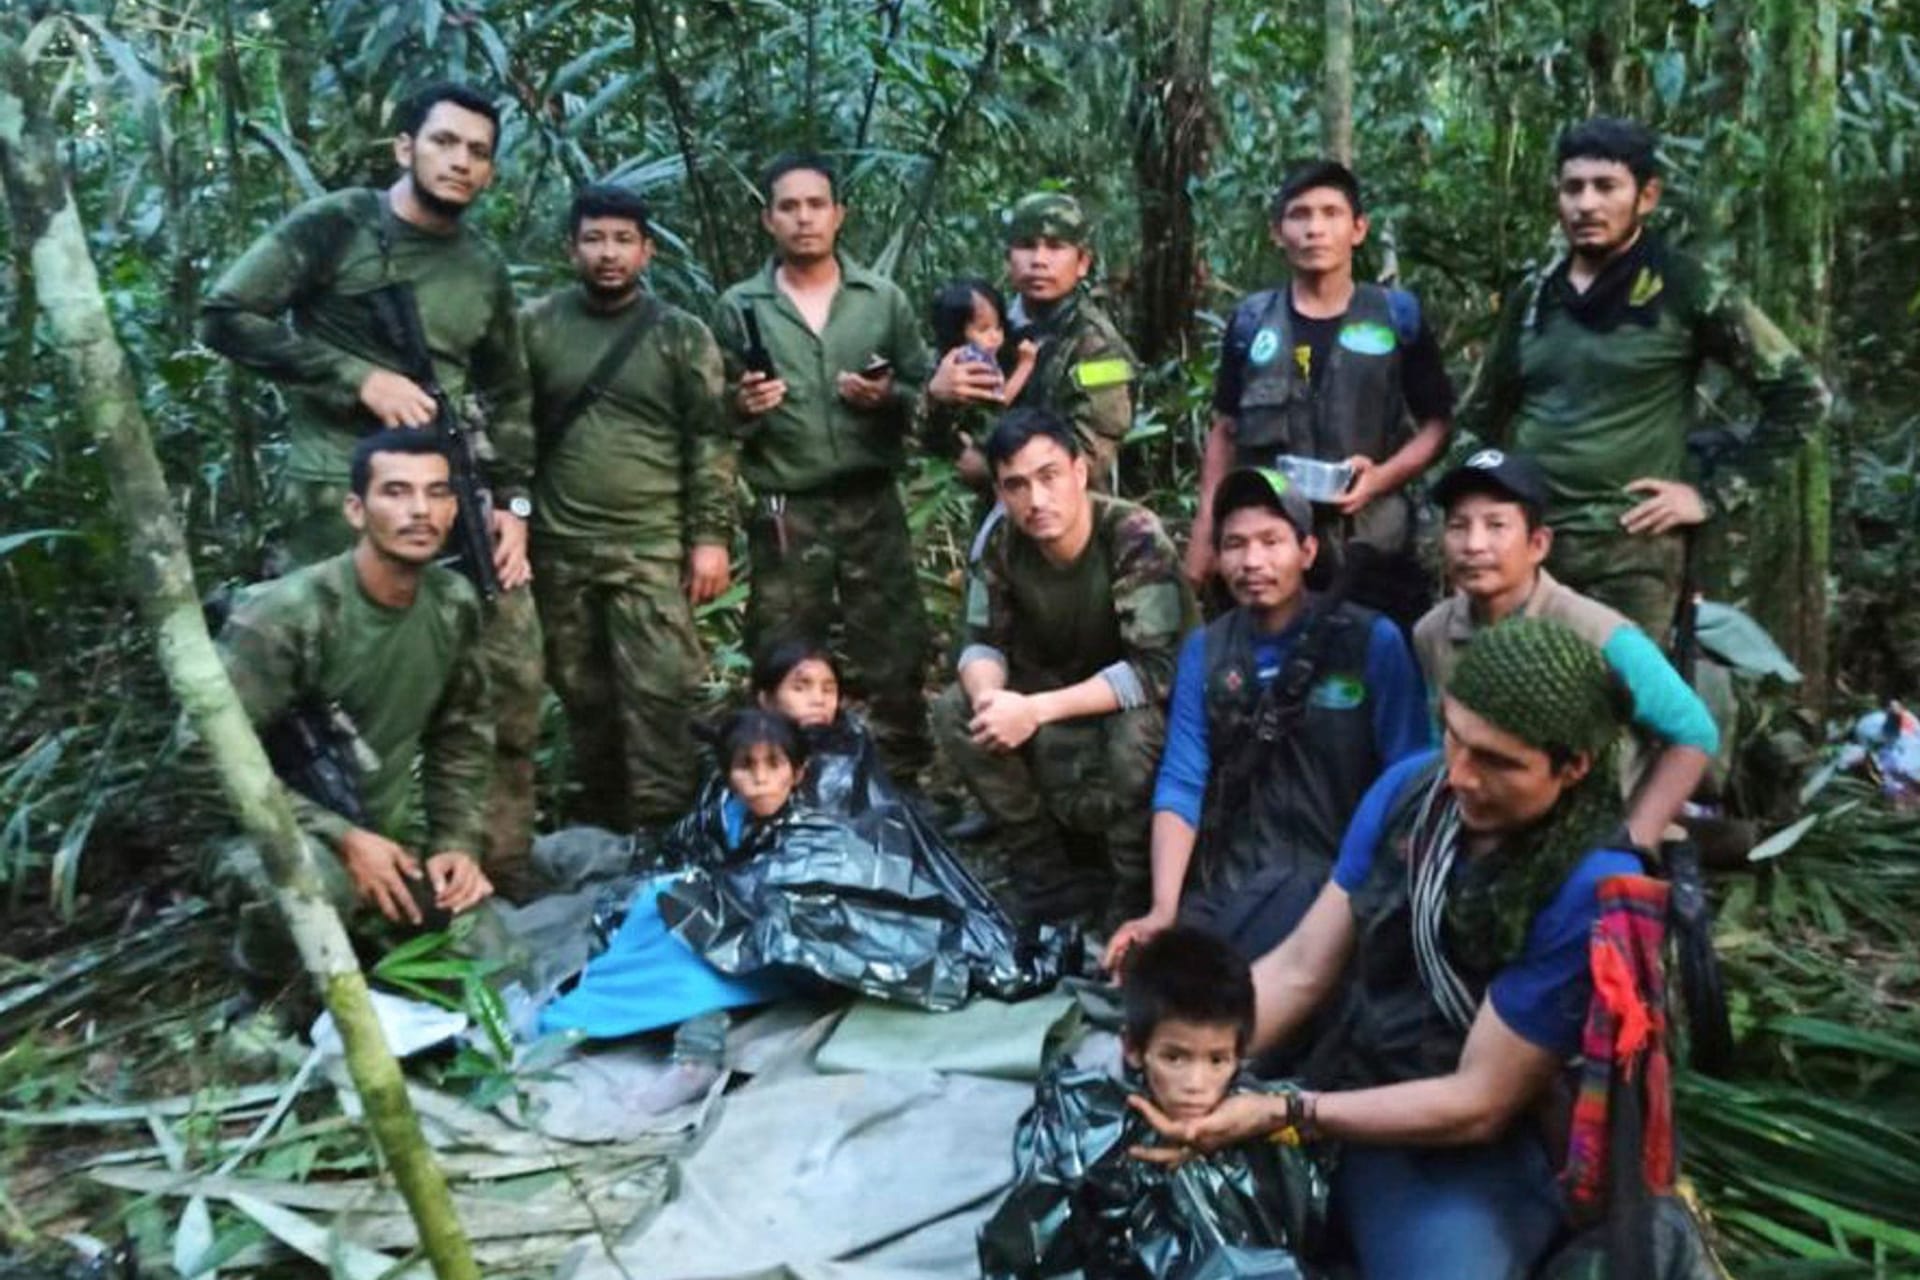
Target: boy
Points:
(1081, 1204)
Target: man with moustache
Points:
(1285, 709)
(1073, 617)
(633, 513)
(316, 268)
(1328, 369)
(391, 641)
(823, 408)
(1085, 370)
(1594, 371)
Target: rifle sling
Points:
(647, 312)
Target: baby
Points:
(969, 313)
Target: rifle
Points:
(315, 749)
(471, 545)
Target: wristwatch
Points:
(520, 506)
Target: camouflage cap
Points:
(1048, 213)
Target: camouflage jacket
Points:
(411, 680)
(1119, 611)
(315, 268)
(650, 463)
(1084, 373)
(1599, 406)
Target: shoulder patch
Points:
(1367, 338)
(1112, 371)
(1338, 693)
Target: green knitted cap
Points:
(1538, 680)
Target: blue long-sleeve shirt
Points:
(1401, 725)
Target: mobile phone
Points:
(877, 368)
(756, 358)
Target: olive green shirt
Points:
(1085, 371)
(1599, 409)
(410, 679)
(814, 439)
(1119, 610)
(649, 464)
(294, 308)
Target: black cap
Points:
(1496, 472)
(1262, 487)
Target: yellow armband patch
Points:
(1091, 375)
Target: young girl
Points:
(765, 756)
(797, 678)
(968, 312)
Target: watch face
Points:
(520, 507)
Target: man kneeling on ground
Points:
(1464, 895)
(388, 639)
(1073, 619)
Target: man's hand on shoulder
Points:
(510, 550)
(708, 572)
(457, 880)
(1666, 505)
(396, 400)
(380, 869)
(1003, 720)
(1131, 934)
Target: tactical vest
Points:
(1389, 1027)
(1286, 800)
(1359, 406)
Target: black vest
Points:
(1359, 406)
(1389, 1027)
(1287, 800)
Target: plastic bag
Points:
(1081, 1205)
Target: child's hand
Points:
(1240, 1117)
(1026, 353)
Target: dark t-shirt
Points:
(1423, 374)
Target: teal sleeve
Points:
(1663, 705)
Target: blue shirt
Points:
(1543, 994)
(1400, 722)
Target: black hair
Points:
(605, 200)
(777, 658)
(413, 112)
(1188, 974)
(1019, 427)
(1311, 176)
(1622, 141)
(1533, 513)
(798, 162)
(390, 440)
(751, 727)
(953, 310)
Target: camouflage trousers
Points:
(1090, 778)
(623, 655)
(235, 877)
(819, 559)
(1638, 575)
(511, 652)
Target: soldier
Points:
(1285, 709)
(825, 364)
(1328, 369)
(1085, 370)
(633, 517)
(1073, 619)
(336, 364)
(1593, 374)
(393, 641)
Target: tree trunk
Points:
(45, 218)
(1173, 122)
(1790, 256)
(1336, 84)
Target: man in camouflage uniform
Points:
(1593, 370)
(633, 512)
(1074, 619)
(1085, 370)
(823, 409)
(392, 640)
(336, 365)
